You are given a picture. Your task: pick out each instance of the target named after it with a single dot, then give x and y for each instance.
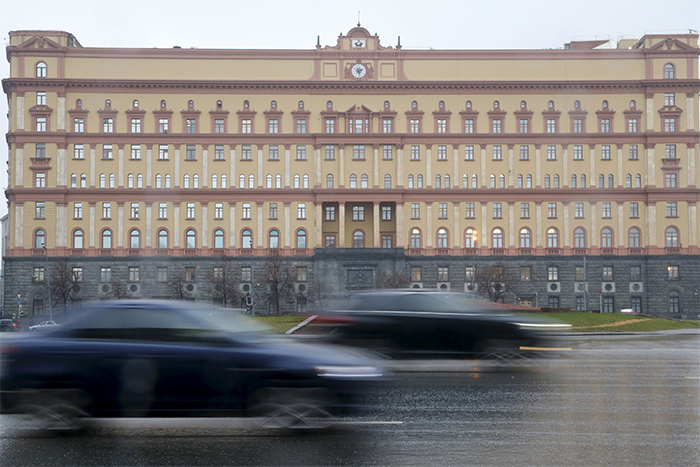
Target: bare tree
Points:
(65, 284)
(224, 280)
(279, 281)
(394, 280)
(320, 294)
(177, 284)
(118, 290)
(495, 282)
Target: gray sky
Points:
(286, 24)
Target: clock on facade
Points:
(358, 70)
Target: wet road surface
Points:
(614, 400)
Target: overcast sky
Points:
(286, 24)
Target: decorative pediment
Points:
(40, 42)
(671, 44)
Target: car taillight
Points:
(333, 319)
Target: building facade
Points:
(576, 169)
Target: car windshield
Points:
(416, 302)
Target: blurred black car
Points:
(10, 325)
(146, 359)
(421, 323)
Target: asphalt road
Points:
(614, 400)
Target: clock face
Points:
(359, 70)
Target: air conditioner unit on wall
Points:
(471, 287)
(133, 289)
(581, 287)
(554, 287)
(445, 286)
(636, 287)
(608, 287)
(190, 288)
(301, 287)
(246, 287)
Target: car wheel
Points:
(57, 409)
(292, 408)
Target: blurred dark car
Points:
(146, 359)
(420, 323)
(10, 325)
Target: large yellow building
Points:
(577, 168)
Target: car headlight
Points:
(348, 371)
(544, 326)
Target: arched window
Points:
(219, 104)
(39, 239)
(606, 238)
(135, 104)
(497, 238)
(555, 181)
(387, 181)
(268, 181)
(159, 181)
(410, 181)
(419, 181)
(415, 238)
(273, 105)
(301, 105)
(301, 238)
(273, 239)
(520, 180)
(190, 239)
(611, 181)
(386, 105)
(501, 181)
(438, 181)
(441, 105)
(468, 105)
(364, 181)
(41, 70)
(605, 104)
(74, 181)
(251, 181)
(552, 238)
(167, 180)
(633, 104)
(577, 105)
(583, 180)
(525, 238)
(528, 181)
(546, 181)
(297, 181)
(492, 181)
(214, 181)
(358, 239)
(601, 181)
(218, 238)
(129, 180)
(475, 181)
(78, 239)
(246, 104)
(78, 103)
(470, 238)
(523, 105)
(442, 238)
(246, 239)
(134, 239)
(305, 181)
(108, 104)
(139, 181)
(573, 181)
(106, 239)
(163, 104)
(278, 181)
(447, 181)
(669, 71)
(496, 105)
(638, 181)
(414, 105)
(112, 180)
(634, 238)
(224, 181)
(186, 181)
(190, 104)
(241, 181)
(465, 181)
(671, 237)
(550, 105)
(579, 238)
(103, 181)
(628, 181)
(353, 181)
(162, 238)
(329, 105)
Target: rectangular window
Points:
(387, 241)
(669, 124)
(191, 152)
(469, 125)
(162, 274)
(272, 214)
(219, 125)
(579, 273)
(107, 125)
(358, 213)
(38, 274)
(578, 125)
(301, 153)
(526, 273)
(524, 125)
(671, 180)
(246, 152)
(497, 210)
(134, 211)
(605, 125)
(415, 210)
(133, 274)
(551, 152)
(190, 211)
(553, 302)
(608, 273)
(358, 152)
(301, 125)
(470, 212)
(605, 152)
(136, 125)
(670, 151)
(219, 154)
(387, 125)
(442, 125)
(634, 210)
(245, 211)
(79, 125)
(469, 274)
(525, 210)
(301, 210)
(106, 211)
(162, 210)
(162, 152)
(107, 153)
(330, 213)
(387, 152)
(40, 150)
(105, 274)
(163, 124)
(246, 274)
(672, 209)
(442, 152)
(190, 125)
(553, 273)
(635, 273)
(442, 210)
(78, 211)
(415, 126)
(443, 273)
(524, 153)
(40, 210)
(330, 153)
(40, 180)
(330, 125)
(416, 274)
(497, 153)
(77, 274)
(329, 241)
(607, 211)
(551, 125)
(41, 98)
(301, 273)
(496, 125)
(578, 152)
(78, 151)
(469, 152)
(669, 99)
(673, 273)
(386, 213)
(246, 126)
(633, 152)
(415, 152)
(632, 125)
(190, 274)
(273, 126)
(578, 210)
(274, 152)
(552, 210)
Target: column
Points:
(318, 225)
(400, 241)
(377, 243)
(341, 224)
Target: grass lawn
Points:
(580, 322)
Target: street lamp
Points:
(48, 279)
